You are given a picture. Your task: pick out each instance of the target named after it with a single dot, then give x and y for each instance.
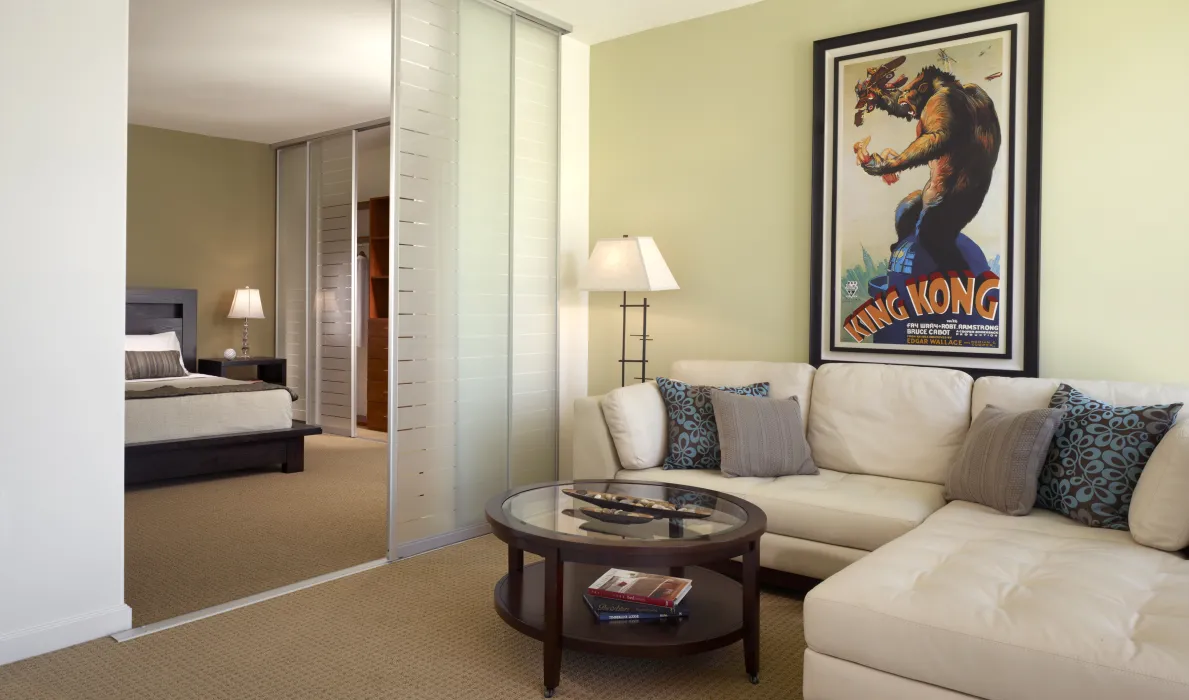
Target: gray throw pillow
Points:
(761, 436)
(1001, 459)
(152, 364)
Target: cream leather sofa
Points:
(923, 600)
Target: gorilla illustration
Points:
(958, 137)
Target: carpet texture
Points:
(194, 543)
(421, 628)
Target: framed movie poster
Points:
(926, 200)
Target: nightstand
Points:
(268, 369)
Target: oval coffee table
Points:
(544, 600)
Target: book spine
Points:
(614, 617)
(618, 595)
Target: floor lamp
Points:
(628, 264)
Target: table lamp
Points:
(628, 264)
(246, 305)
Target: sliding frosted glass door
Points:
(294, 298)
(426, 268)
(483, 255)
(476, 363)
(534, 257)
(333, 211)
(316, 271)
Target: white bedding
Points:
(181, 417)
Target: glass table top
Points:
(549, 508)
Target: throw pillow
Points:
(761, 436)
(1159, 514)
(1001, 459)
(693, 433)
(153, 364)
(1097, 456)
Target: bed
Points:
(199, 424)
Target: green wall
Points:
(201, 213)
(701, 136)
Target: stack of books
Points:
(621, 595)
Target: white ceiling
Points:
(258, 70)
(601, 20)
(273, 70)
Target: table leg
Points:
(554, 580)
(515, 560)
(751, 612)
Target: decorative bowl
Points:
(648, 506)
(621, 517)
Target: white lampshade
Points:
(246, 304)
(626, 265)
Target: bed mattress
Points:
(183, 417)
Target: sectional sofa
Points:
(926, 600)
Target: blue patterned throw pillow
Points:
(693, 434)
(1097, 455)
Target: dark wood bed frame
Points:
(149, 311)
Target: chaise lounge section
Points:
(921, 599)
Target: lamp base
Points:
(243, 352)
(644, 339)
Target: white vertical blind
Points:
(533, 450)
(427, 282)
(333, 194)
(293, 299)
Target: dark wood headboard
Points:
(148, 311)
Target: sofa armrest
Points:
(594, 452)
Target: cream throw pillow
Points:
(761, 436)
(1001, 459)
(638, 424)
(1159, 515)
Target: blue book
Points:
(609, 610)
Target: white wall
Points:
(574, 161)
(63, 130)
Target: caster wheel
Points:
(754, 678)
(549, 692)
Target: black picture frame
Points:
(1016, 356)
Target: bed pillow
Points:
(159, 342)
(693, 432)
(761, 436)
(152, 364)
(1097, 456)
(1001, 458)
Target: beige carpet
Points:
(195, 543)
(421, 628)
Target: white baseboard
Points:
(59, 634)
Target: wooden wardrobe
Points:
(377, 325)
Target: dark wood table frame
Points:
(268, 369)
(518, 594)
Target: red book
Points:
(650, 589)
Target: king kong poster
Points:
(922, 229)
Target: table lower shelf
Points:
(715, 619)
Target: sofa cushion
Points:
(847, 510)
(1024, 394)
(635, 416)
(886, 420)
(1001, 607)
(1097, 456)
(1159, 515)
(785, 379)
